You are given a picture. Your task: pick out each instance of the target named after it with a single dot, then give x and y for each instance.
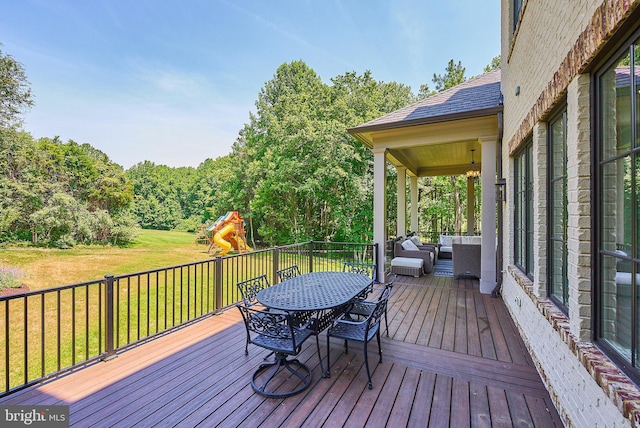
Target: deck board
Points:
(453, 357)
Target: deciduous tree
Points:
(15, 91)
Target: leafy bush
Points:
(10, 277)
(65, 241)
(191, 224)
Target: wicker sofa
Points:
(426, 253)
(466, 253)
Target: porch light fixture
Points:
(473, 173)
(501, 190)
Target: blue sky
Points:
(173, 81)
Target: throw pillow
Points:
(415, 240)
(409, 246)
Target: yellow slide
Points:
(228, 233)
(219, 238)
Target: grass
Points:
(46, 268)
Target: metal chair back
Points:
(367, 269)
(288, 273)
(250, 288)
(275, 331)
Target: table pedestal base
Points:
(295, 367)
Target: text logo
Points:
(34, 416)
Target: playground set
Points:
(225, 233)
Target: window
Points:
(557, 190)
(524, 210)
(517, 8)
(617, 233)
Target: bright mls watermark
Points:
(34, 416)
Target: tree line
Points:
(294, 173)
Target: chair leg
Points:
(320, 356)
(386, 322)
(379, 348)
(346, 346)
(327, 374)
(366, 365)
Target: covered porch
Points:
(453, 358)
(455, 132)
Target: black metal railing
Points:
(47, 332)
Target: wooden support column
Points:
(401, 223)
(413, 185)
(471, 201)
(488, 278)
(379, 206)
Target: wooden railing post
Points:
(109, 327)
(217, 281)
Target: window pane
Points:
(517, 7)
(636, 285)
(615, 109)
(558, 272)
(558, 163)
(616, 307)
(558, 285)
(634, 90)
(558, 209)
(529, 209)
(616, 205)
(637, 204)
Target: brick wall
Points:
(531, 58)
(587, 389)
(546, 57)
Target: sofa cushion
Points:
(410, 246)
(445, 240)
(467, 240)
(406, 262)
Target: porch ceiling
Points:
(435, 149)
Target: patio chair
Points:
(363, 308)
(248, 290)
(288, 273)
(366, 269)
(278, 333)
(363, 331)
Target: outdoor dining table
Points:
(318, 295)
(314, 291)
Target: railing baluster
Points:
(7, 373)
(42, 333)
(86, 322)
(109, 331)
(73, 326)
(218, 283)
(166, 292)
(26, 340)
(276, 264)
(59, 332)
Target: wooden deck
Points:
(453, 358)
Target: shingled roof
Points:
(479, 96)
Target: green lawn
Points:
(46, 268)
